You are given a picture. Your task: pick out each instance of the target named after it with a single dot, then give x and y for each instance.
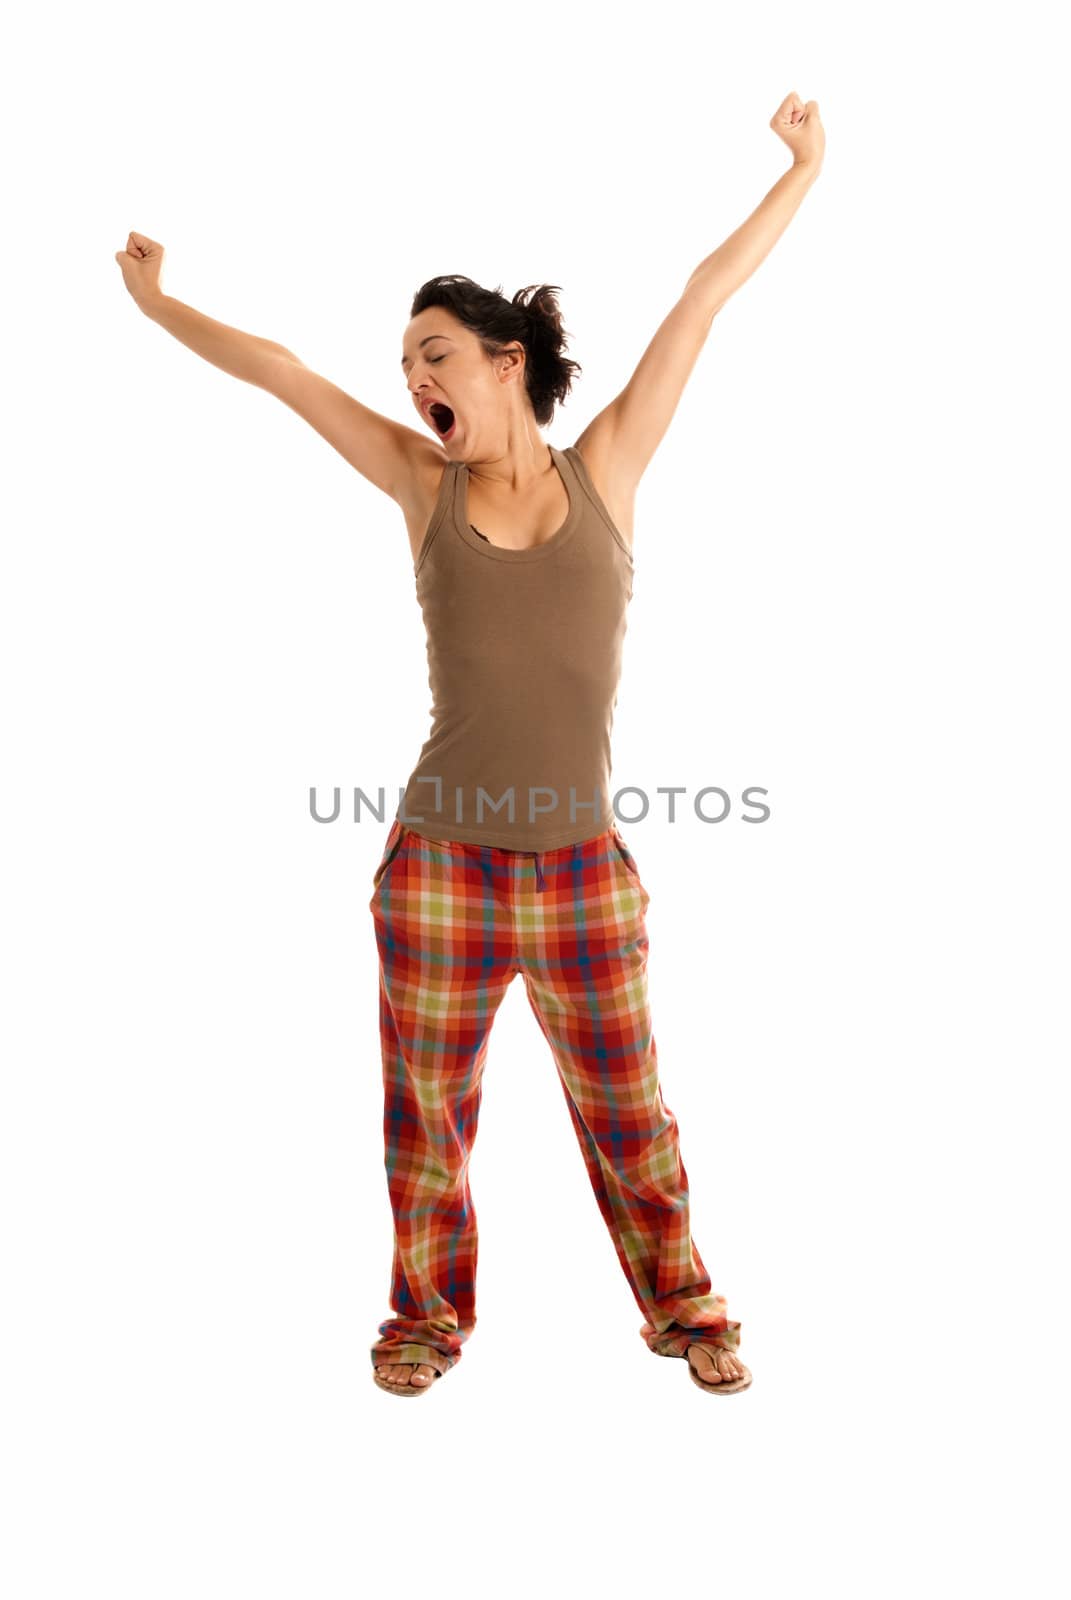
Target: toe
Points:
(703, 1363)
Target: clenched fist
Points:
(801, 128)
(141, 262)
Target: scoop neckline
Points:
(495, 552)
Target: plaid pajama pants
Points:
(454, 925)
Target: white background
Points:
(848, 591)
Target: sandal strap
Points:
(415, 1354)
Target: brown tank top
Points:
(524, 659)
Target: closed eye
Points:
(433, 359)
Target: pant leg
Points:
(444, 943)
(586, 981)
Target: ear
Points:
(510, 362)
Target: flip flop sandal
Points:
(404, 1390)
(731, 1386)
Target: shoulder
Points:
(426, 465)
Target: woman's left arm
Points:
(619, 443)
(733, 262)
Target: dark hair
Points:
(535, 322)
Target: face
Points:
(459, 393)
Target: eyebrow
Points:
(423, 342)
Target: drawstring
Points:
(540, 883)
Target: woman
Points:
(503, 857)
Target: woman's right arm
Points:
(385, 452)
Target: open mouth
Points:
(443, 419)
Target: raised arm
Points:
(625, 435)
(382, 450)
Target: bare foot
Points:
(405, 1372)
(714, 1366)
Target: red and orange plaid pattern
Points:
(455, 923)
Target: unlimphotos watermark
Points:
(709, 804)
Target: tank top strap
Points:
(578, 468)
(442, 512)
